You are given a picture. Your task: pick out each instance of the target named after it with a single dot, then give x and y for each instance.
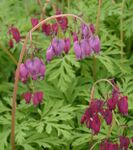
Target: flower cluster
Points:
(99, 108)
(15, 36)
(36, 97)
(124, 144)
(88, 43)
(57, 47)
(34, 68)
(52, 29)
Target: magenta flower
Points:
(85, 31)
(94, 43)
(58, 46)
(55, 28)
(23, 73)
(107, 115)
(124, 142)
(96, 105)
(77, 50)
(111, 103)
(67, 45)
(27, 96)
(94, 124)
(46, 28)
(63, 22)
(15, 34)
(50, 53)
(75, 37)
(123, 105)
(37, 98)
(10, 43)
(34, 22)
(36, 68)
(92, 28)
(108, 146)
(85, 47)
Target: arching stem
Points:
(98, 81)
(97, 30)
(29, 35)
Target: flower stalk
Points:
(29, 36)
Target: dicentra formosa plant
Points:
(99, 110)
(85, 42)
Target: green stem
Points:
(121, 28)
(97, 30)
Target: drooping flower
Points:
(23, 73)
(55, 28)
(85, 31)
(108, 146)
(50, 53)
(97, 105)
(47, 29)
(94, 123)
(77, 50)
(75, 36)
(27, 96)
(124, 142)
(37, 98)
(82, 49)
(15, 33)
(107, 115)
(94, 42)
(63, 22)
(58, 46)
(67, 45)
(36, 68)
(111, 103)
(123, 105)
(86, 47)
(34, 22)
(92, 28)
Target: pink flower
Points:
(94, 42)
(67, 45)
(37, 98)
(23, 73)
(94, 123)
(15, 33)
(46, 28)
(27, 96)
(50, 53)
(34, 22)
(123, 105)
(58, 46)
(124, 142)
(107, 115)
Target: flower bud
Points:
(23, 73)
(67, 45)
(27, 96)
(123, 105)
(34, 22)
(15, 33)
